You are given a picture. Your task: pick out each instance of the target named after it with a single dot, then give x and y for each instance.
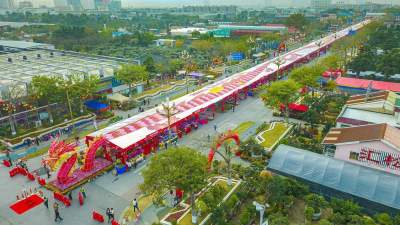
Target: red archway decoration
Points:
(91, 154)
(229, 135)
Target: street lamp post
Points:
(168, 110)
(279, 62)
(261, 208)
(186, 57)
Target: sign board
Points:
(379, 158)
(237, 56)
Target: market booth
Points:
(148, 131)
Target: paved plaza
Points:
(117, 192)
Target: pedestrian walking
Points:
(56, 212)
(82, 190)
(46, 202)
(70, 195)
(8, 156)
(37, 141)
(215, 127)
(135, 205)
(112, 214)
(208, 137)
(48, 172)
(108, 213)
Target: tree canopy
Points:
(280, 93)
(181, 167)
(130, 74)
(307, 76)
(297, 20)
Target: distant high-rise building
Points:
(115, 5)
(88, 4)
(61, 4)
(25, 4)
(7, 4)
(102, 4)
(75, 5)
(321, 4)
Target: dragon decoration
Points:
(64, 158)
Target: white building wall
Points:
(343, 153)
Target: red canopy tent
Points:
(296, 107)
(332, 73)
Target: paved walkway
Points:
(117, 192)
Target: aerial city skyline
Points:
(89, 4)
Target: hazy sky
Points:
(172, 3)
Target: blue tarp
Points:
(95, 105)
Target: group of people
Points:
(144, 103)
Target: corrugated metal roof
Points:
(363, 83)
(371, 184)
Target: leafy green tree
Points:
(384, 219)
(308, 213)
(278, 219)
(389, 63)
(325, 222)
(280, 93)
(298, 20)
(312, 116)
(82, 87)
(365, 61)
(317, 202)
(332, 61)
(281, 192)
(343, 210)
(131, 74)
(175, 65)
(150, 65)
(396, 219)
(45, 89)
(307, 76)
(162, 174)
(202, 45)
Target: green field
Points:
(272, 136)
(241, 128)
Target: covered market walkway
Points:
(143, 132)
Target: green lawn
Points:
(241, 128)
(273, 135)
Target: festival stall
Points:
(147, 131)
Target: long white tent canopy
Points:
(130, 131)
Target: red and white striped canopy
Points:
(130, 131)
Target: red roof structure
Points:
(362, 83)
(331, 73)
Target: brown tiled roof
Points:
(360, 133)
(374, 96)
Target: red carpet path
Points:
(24, 205)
